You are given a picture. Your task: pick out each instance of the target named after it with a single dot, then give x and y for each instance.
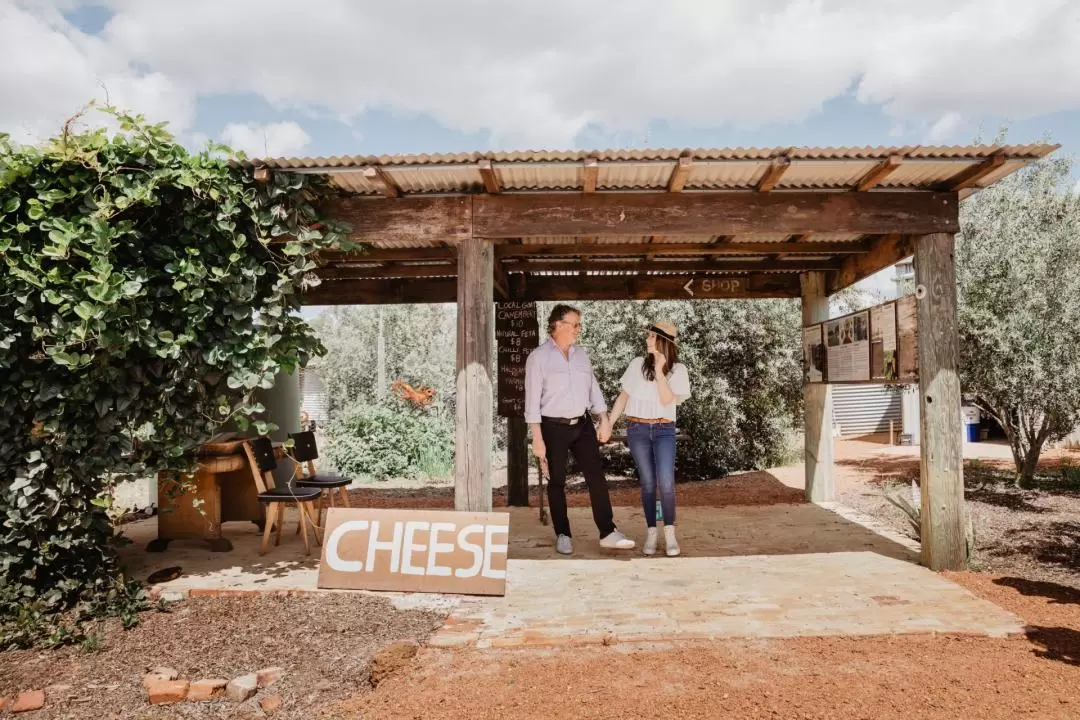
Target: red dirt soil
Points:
(901, 677)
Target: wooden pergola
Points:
(657, 224)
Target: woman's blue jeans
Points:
(653, 449)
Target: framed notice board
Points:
(878, 345)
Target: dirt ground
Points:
(1027, 546)
(903, 677)
(1034, 534)
(324, 644)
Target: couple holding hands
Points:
(560, 394)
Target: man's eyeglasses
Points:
(576, 326)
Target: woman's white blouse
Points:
(645, 397)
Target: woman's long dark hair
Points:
(669, 351)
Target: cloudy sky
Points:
(327, 77)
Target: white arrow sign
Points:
(687, 286)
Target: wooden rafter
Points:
(668, 249)
(591, 174)
(369, 255)
(677, 266)
(885, 251)
(679, 174)
(878, 173)
(381, 179)
(772, 176)
(491, 180)
(969, 177)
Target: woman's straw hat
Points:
(664, 329)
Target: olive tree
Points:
(1018, 280)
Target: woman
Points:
(651, 388)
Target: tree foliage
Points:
(419, 343)
(1018, 277)
(745, 372)
(145, 293)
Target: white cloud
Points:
(49, 70)
(273, 140)
(946, 127)
(538, 74)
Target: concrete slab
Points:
(552, 603)
(703, 532)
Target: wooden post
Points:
(942, 470)
(817, 401)
(517, 462)
(475, 340)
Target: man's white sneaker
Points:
(563, 545)
(617, 541)
(671, 545)
(650, 541)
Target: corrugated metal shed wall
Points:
(865, 409)
(313, 397)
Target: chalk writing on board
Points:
(517, 332)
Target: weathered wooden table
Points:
(224, 490)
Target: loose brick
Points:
(241, 688)
(271, 704)
(203, 690)
(269, 676)
(166, 692)
(29, 700)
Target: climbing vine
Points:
(146, 292)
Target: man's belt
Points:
(563, 421)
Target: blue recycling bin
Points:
(970, 417)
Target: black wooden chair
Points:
(305, 452)
(260, 453)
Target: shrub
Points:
(392, 440)
(145, 293)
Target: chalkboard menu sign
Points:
(516, 333)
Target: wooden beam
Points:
(387, 271)
(878, 173)
(574, 265)
(415, 220)
(381, 179)
(942, 516)
(679, 173)
(677, 249)
(501, 282)
(592, 174)
(772, 176)
(662, 287)
(370, 254)
(491, 180)
(817, 402)
(569, 288)
(501, 216)
(382, 292)
(970, 176)
(475, 341)
(887, 251)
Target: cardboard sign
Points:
(439, 551)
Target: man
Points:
(560, 391)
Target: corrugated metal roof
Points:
(650, 170)
(1031, 151)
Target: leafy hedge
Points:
(141, 304)
(395, 440)
(745, 370)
